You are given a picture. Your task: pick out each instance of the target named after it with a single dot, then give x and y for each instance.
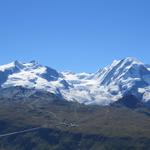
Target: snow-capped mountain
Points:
(30, 75)
(128, 76)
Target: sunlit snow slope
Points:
(122, 77)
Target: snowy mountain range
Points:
(128, 76)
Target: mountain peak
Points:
(12, 65)
(132, 60)
(18, 64)
(121, 71)
(128, 75)
(34, 62)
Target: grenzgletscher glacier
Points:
(128, 76)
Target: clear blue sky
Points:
(77, 35)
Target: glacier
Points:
(128, 76)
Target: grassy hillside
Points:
(72, 126)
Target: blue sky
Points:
(77, 35)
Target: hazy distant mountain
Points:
(124, 77)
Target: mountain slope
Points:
(65, 125)
(124, 77)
